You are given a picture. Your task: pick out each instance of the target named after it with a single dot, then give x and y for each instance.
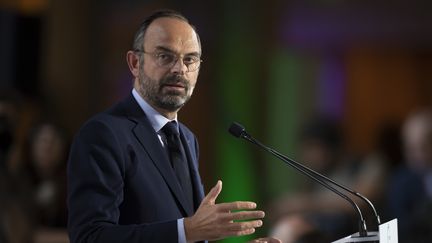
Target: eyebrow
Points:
(162, 48)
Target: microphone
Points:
(239, 131)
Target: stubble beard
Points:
(170, 100)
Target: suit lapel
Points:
(192, 160)
(148, 138)
(160, 159)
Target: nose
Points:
(179, 67)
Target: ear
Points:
(133, 62)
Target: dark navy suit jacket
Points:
(121, 186)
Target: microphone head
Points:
(237, 130)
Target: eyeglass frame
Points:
(157, 54)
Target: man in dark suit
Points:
(127, 182)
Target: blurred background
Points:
(343, 86)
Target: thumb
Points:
(210, 198)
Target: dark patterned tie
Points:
(178, 159)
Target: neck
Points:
(168, 114)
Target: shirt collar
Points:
(157, 120)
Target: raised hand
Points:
(217, 221)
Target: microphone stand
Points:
(238, 131)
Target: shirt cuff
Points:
(181, 231)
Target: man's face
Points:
(168, 87)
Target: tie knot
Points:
(170, 128)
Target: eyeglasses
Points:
(167, 59)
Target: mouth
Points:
(175, 86)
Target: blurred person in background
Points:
(315, 214)
(46, 160)
(410, 189)
(379, 164)
(45, 156)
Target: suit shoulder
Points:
(114, 117)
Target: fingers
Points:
(236, 206)
(210, 198)
(217, 221)
(243, 215)
(242, 226)
(243, 232)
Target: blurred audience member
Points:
(316, 214)
(380, 163)
(410, 190)
(46, 158)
